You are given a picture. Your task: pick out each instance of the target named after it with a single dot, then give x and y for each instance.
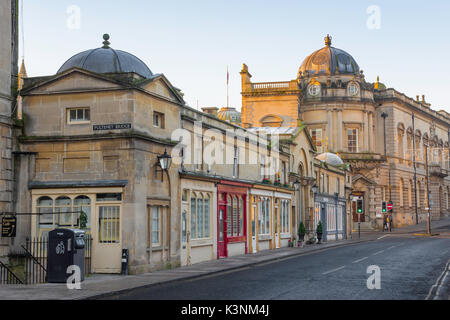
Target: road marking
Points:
(383, 237)
(379, 252)
(392, 247)
(334, 270)
(439, 282)
(360, 260)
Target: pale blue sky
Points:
(192, 42)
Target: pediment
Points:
(161, 88)
(364, 180)
(74, 81)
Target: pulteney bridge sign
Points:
(118, 126)
(9, 227)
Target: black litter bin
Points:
(66, 247)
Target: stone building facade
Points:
(8, 89)
(91, 140)
(349, 116)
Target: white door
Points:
(185, 235)
(277, 228)
(107, 240)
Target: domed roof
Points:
(330, 61)
(378, 85)
(330, 158)
(230, 115)
(107, 60)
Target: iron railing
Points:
(8, 277)
(34, 256)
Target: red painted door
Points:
(222, 251)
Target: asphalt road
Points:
(409, 267)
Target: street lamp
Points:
(165, 161)
(314, 189)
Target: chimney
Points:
(212, 111)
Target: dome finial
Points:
(328, 39)
(106, 43)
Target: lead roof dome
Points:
(329, 61)
(107, 60)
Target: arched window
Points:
(418, 146)
(63, 208)
(409, 144)
(82, 204)
(410, 190)
(44, 208)
(419, 201)
(400, 137)
(425, 147)
(271, 121)
(401, 193)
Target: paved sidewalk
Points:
(98, 286)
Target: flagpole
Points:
(228, 88)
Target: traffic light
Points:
(384, 210)
(360, 207)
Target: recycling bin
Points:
(66, 247)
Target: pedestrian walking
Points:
(390, 222)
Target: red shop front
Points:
(231, 218)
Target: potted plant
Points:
(301, 232)
(266, 181)
(319, 231)
(291, 243)
(83, 220)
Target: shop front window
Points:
(200, 215)
(82, 207)
(45, 211)
(264, 214)
(63, 208)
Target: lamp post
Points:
(299, 218)
(314, 190)
(415, 165)
(428, 189)
(384, 115)
(336, 198)
(165, 162)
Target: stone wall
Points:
(8, 80)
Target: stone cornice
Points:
(126, 135)
(417, 107)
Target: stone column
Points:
(366, 132)
(329, 129)
(340, 130)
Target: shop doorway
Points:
(107, 243)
